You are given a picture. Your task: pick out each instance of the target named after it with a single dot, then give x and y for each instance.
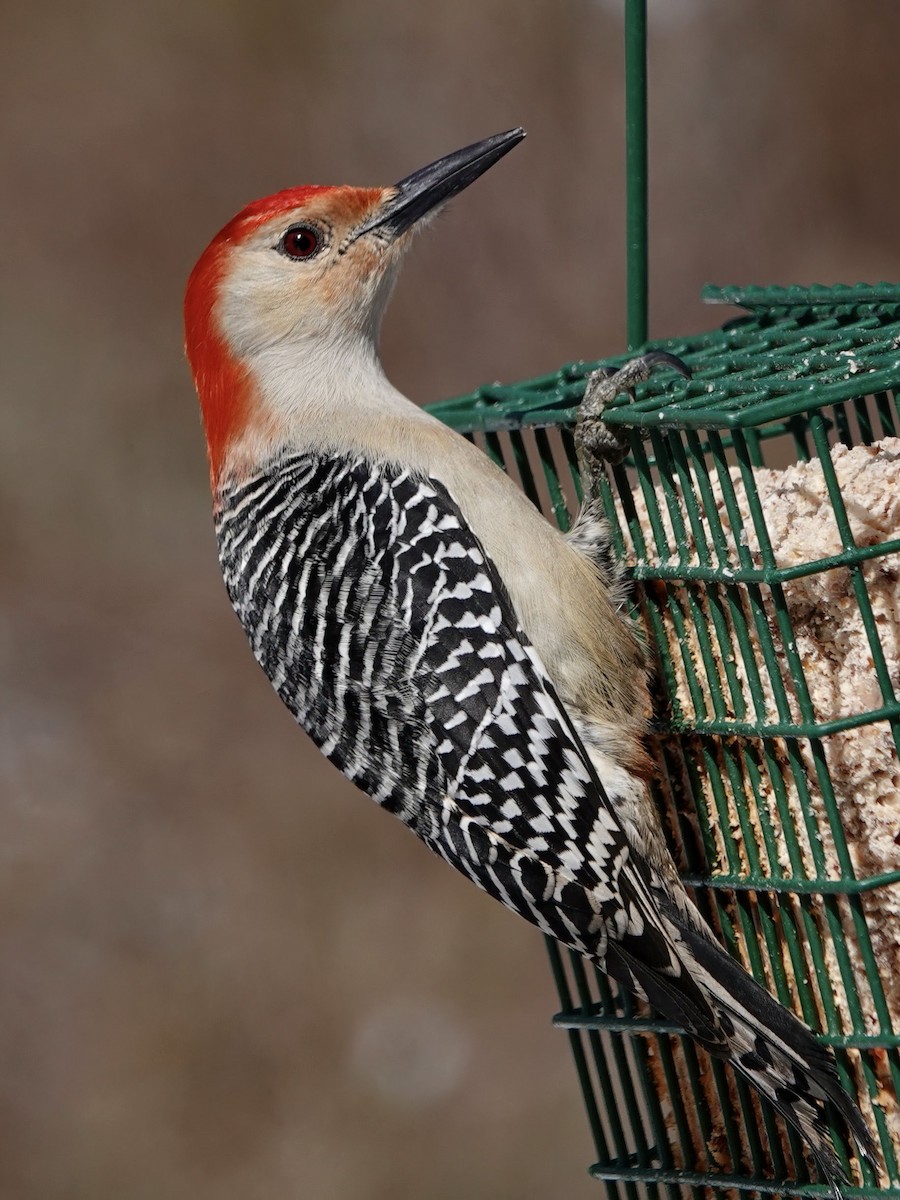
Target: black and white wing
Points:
(385, 628)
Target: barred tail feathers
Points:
(733, 1017)
(779, 1055)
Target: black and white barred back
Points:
(372, 608)
(385, 629)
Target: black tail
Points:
(778, 1054)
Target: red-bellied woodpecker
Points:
(463, 662)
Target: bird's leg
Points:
(595, 442)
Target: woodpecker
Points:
(458, 658)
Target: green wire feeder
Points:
(750, 760)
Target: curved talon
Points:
(595, 441)
(655, 358)
(638, 370)
(606, 383)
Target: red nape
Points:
(223, 383)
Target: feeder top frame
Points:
(796, 351)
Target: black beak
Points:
(422, 191)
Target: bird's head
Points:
(298, 281)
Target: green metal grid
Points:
(738, 739)
(809, 367)
(753, 372)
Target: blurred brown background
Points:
(222, 972)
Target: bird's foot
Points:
(595, 442)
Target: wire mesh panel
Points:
(759, 515)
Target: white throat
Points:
(325, 394)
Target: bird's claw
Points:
(596, 442)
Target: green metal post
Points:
(636, 168)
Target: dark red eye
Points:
(300, 241)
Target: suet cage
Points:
(766, 765)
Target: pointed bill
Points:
(422, 191)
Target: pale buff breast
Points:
(589, 648)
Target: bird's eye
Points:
(300, 241)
